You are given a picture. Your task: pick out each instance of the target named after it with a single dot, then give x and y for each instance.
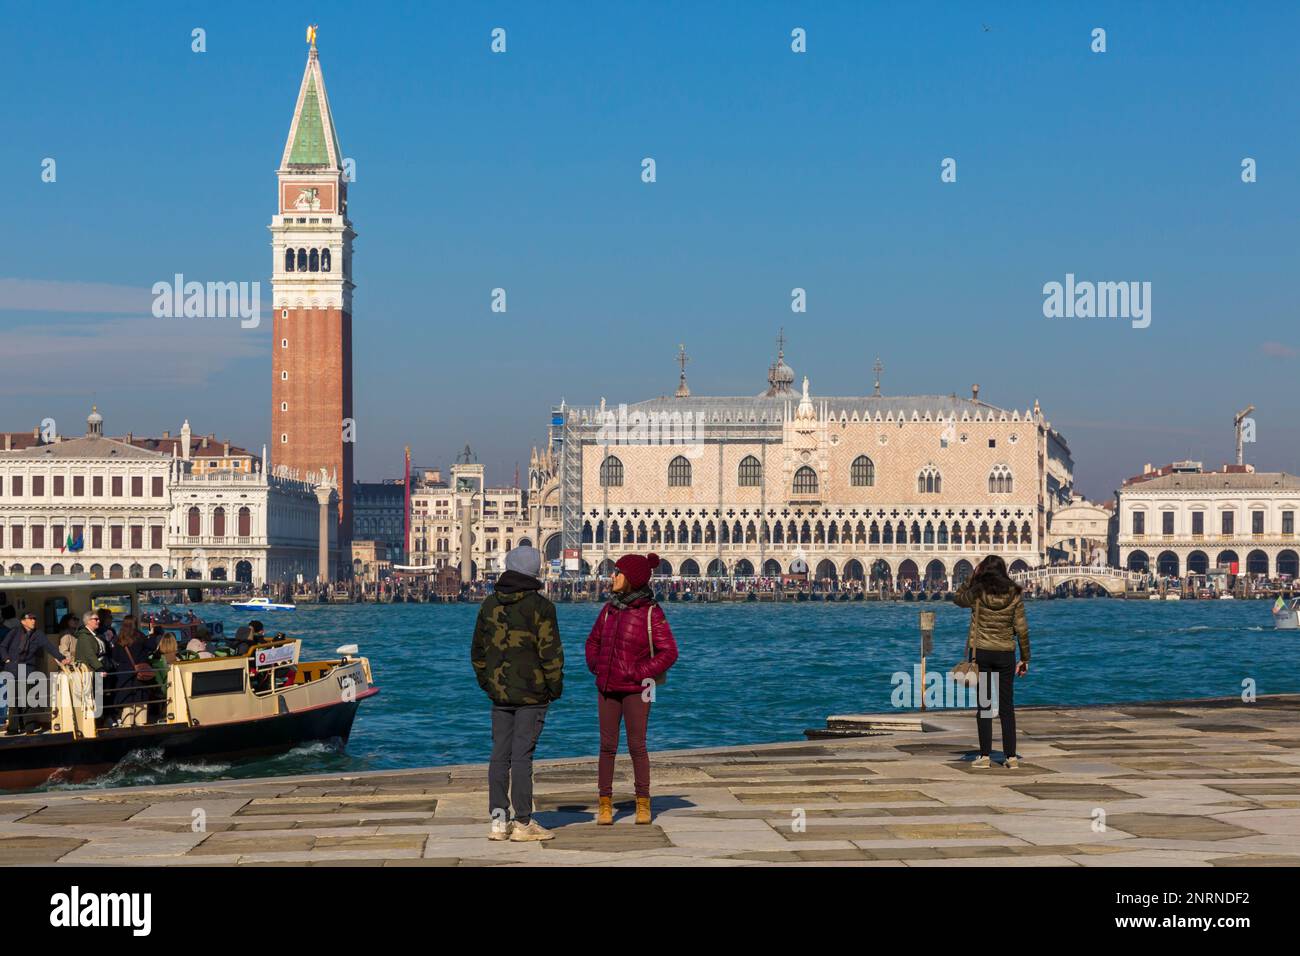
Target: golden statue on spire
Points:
(311, 35)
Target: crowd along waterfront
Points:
(748, 673)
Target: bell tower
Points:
(311, 241)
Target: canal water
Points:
(748, 672)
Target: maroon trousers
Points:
(631, 710)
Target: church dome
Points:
(780, 377)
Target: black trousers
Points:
(999, 665)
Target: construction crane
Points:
(1236, 421)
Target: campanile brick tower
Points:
(311, 391)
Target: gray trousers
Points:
(514, 738)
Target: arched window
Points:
(288, 260)
(313, 261)
(929, 481)
(805, 481)
(194, 518)
(1000, 480)
(219, 523)
(611, 472)
(245, 522)
(302, 260)
(862, 473)
(750, 472)
(324, 260)
(679, 473)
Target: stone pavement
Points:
(1185, 783)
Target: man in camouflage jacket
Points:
(519, 663)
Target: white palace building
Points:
(152, 507)
(893, 490)
(1180, 520)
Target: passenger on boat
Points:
(129, 631)
(25, 647)
(161, 661)
(91, 649)
(67, 639)
(198, 644)
(135, 679)
(94, 652)
(246, 638)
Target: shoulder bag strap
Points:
(975, 626)
(649, 629)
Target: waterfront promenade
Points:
(1187, 784)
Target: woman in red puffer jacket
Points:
(630, 649)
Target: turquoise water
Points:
(751, 673)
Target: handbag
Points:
(968, 672)
(144, 671)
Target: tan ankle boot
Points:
(605, 812)
(642, 809)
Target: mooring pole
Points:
(927, 645)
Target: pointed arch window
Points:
(929, 481)
(805, 481)
(611, 472)
(750, 472)
(679, 473)
(862, 473)
(1000, 480)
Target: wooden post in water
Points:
(927, 645)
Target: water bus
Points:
(263, 701)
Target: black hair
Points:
(255, 626)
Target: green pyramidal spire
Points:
(312, 140)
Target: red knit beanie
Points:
(637, 568)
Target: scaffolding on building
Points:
(570, 439)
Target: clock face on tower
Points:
(307, 197)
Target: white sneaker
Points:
(981, 763)
(501, 829)
(1012, 763)
(530, 832)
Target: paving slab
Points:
(1182, 783)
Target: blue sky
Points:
(775, 171)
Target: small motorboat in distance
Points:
(1286, 614)
(262, 604)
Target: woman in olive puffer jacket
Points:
(997, 623)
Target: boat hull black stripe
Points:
(30, 761)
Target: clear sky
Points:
(775, 170)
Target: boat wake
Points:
(143, 767)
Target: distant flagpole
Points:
(406, 513)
